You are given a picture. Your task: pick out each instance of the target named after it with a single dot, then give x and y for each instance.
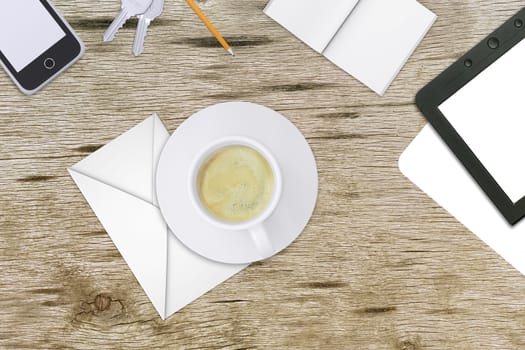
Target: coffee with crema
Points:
(235, 184)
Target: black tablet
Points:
(477, 106)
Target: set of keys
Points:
(145, 10)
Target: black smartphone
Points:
(36, 43)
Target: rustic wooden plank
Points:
(380, 266)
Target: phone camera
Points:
(493, 43)
(518, 23)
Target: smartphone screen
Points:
(28, 30)
(36, 43)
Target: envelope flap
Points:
(138, 231)
(128, 162)
(160, 137)
(191, 275)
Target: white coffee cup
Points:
(255, 226)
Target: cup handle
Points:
(262, 241)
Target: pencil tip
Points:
(230, 50)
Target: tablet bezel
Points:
(453, 79)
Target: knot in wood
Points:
(408, 345)
(102, 302)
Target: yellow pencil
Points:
(210, 26)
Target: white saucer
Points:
(280, 136)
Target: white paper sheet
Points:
(431, 166)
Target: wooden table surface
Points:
(380, 266)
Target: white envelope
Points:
(430, 165)
(118, 181)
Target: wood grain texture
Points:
(380, 266)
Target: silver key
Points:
(129, 8)
(154, 11)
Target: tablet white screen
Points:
(27, 30)
(489, 114)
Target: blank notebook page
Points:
(313, 21)
(378, 38)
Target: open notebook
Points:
(369, 39)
